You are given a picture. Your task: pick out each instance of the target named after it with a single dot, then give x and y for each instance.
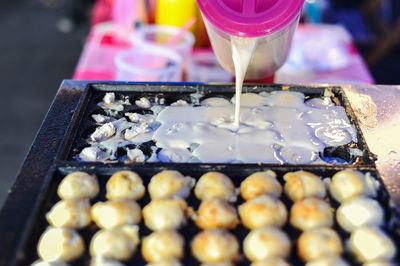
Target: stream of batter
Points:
(242, 52)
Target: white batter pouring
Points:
(242, 52)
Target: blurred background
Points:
(46, 41)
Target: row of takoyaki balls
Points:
(262, 212)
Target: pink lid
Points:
(250, 18)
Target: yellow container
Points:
(175, 12)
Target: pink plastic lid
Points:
(250, 18)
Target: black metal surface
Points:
(237, 174)
(22, 198)
(172, 93)
(29, 198)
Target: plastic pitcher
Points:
(204, 68)
(272, 22)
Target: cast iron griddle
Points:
(21, 219)
(28, 253)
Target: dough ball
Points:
(117, 243)
(226, 263)
(319, 243)
(379, 263)
(271, 262)
(169, 183)
(101, 261)
(263, 211)
(60, 244)
(78, 185)
(115, 213)
(165, 263)
(311, 213)
(125, 185)
(52, 263)
(216, 213)
(260, 183)
(215, 246)
(347, 184)
(371, 243)
(359, 211)
(162, 245)
(215, 185)
(328, 261)
(164, 214)
(70, 213)
(302, 184)
(265, 243)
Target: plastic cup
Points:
(125, 13)
(98, 57)
(159, 36)
(148, 64)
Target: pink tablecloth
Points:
(96, 62)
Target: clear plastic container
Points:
(125, 13)
(98, 57)
(148, 64)
(160, 36)
(272, 22)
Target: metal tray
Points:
(50, 158)
(83, 125)
(38, 223)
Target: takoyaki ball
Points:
(78, 185)
(359, 211)
(379, 263)
(263, 211)
(101, 261)
(311, 213)
(216, 213)
(115, 213)
(60, 244)
(319, 243)
(226, 263)
(215, 246)
(369, 244)
(265, 243)
(302, 184)
(165, 214)
(170, 262)
(169, 183)
(271, 262)
(260, 183)
(70, 213)
(347, 184)
(125, 185)
(328, 261)
(162, 245)
(117, 243)
(49, 263)
(215, 185)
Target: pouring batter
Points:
(242, 52)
